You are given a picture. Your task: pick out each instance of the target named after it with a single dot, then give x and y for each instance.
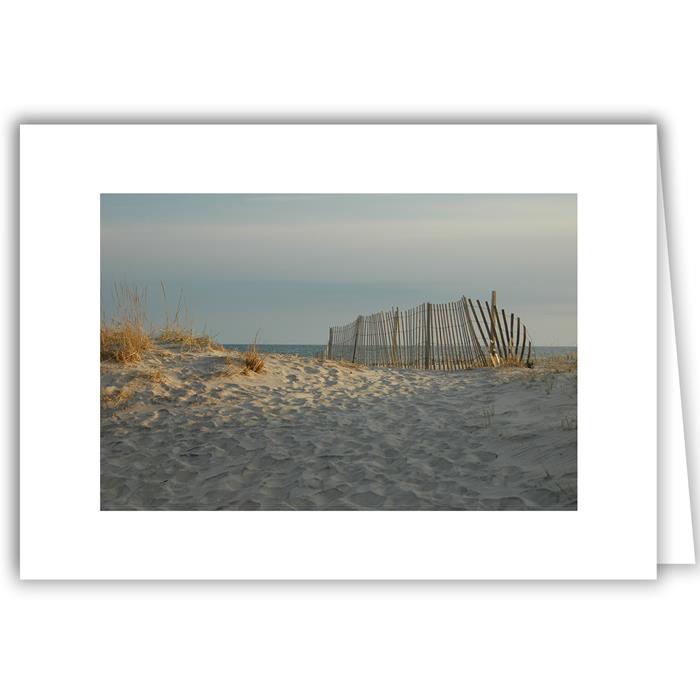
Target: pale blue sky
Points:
(291, 265)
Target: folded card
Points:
(344, 352)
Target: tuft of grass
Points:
(124, 338)
(253, 361)
(187, 339)
(116, 398)
(128, 335)
(177, 331)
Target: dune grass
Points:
(116, 398)
(125, 338)
(128, 335)
(179, 331)
(187, 339)
(253, 361)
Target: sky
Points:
(290, 265)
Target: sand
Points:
(185, 431)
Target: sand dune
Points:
(186, 431)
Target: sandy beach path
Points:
(186, 431)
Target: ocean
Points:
(311, 350)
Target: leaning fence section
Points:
(447, 336)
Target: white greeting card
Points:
(437, 430)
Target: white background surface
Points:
(611, 536)
(511, 61)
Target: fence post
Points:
(511, 340)
(357, 329)
(330, 343)
(492, 336)
(394, 337)
(428, 331)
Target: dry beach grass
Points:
(125, 338)
(252, 359)
(128, 334)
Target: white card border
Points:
(612, 168)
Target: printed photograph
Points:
(324, 352)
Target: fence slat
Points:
(476, 319)
(377, 341)
(354, 350)
(494, 343)
(457, 342)
(439, 353)
(386, 361)
(464, 342)
(365, 339)
(480, 352)
(388, 328)
(463, 339)
(419, 340)
(507, 339)
(462, 312)
(500, 330)
(448, 334)
(428, 331)
(440, 325)
(487, 324)
(414, 350)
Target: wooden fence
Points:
(449, 336)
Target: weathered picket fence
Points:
(447, 336)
